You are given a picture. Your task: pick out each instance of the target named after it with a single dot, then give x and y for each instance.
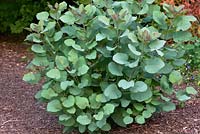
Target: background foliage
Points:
(192, 66)
(15, 15)
(108, 62)
(192, 6)
(192, 48)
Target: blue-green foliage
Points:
(108, 62)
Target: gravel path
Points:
(19, 112)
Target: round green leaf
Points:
(166, 69)
(38, 48)
(99, 116)
(106, 127)
(126, 84)
(54, 74)
(140, 119)
(69, 30)
(146, 114)
(69, 42)
(40, 61)
(31, 78)
(62, 6)
(120, 58)
(54, 106)
(159, 18)
(58, 36)
(125, 102)
(61, 62)
(142, 96)
(133, 38)
(128, 120)
(129, 111)
(81, 128)
(179, 62)
(48, 93)
(83, 120)
(101, 123)
(156, 44)
(112, 92)
(133, 50)
(92, 127)
(75, 91)
(175, 77)
(96, 75)
(191, 90)
(93, 103)
(115, 69)
(64, 117)
(104, 20)
(90, 10)
(164, 83)
(138, 106)
(151, 108)
(71, 110)
(153, 65)
(144, 10)
(65, 84)
(133, 64)
(73, 56)
(50, 26)
(92, 45)
(118, 118)
(66, 120)
(100, 37)
(83, 70)
(183, 97)
(182, 36)
(108, 109)
(184, 22)
(82, 102)
(42, 16)
(92, 55)
(68, 18)
(69, 102)
(139, 86)
(168, 106)
(77, 47)
(102, 98)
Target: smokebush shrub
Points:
(108, 62)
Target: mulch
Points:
(20, 113)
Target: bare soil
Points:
(20, 113)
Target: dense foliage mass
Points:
(15, 15)
(192, 56)
(107, 62)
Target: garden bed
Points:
(20, 113)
